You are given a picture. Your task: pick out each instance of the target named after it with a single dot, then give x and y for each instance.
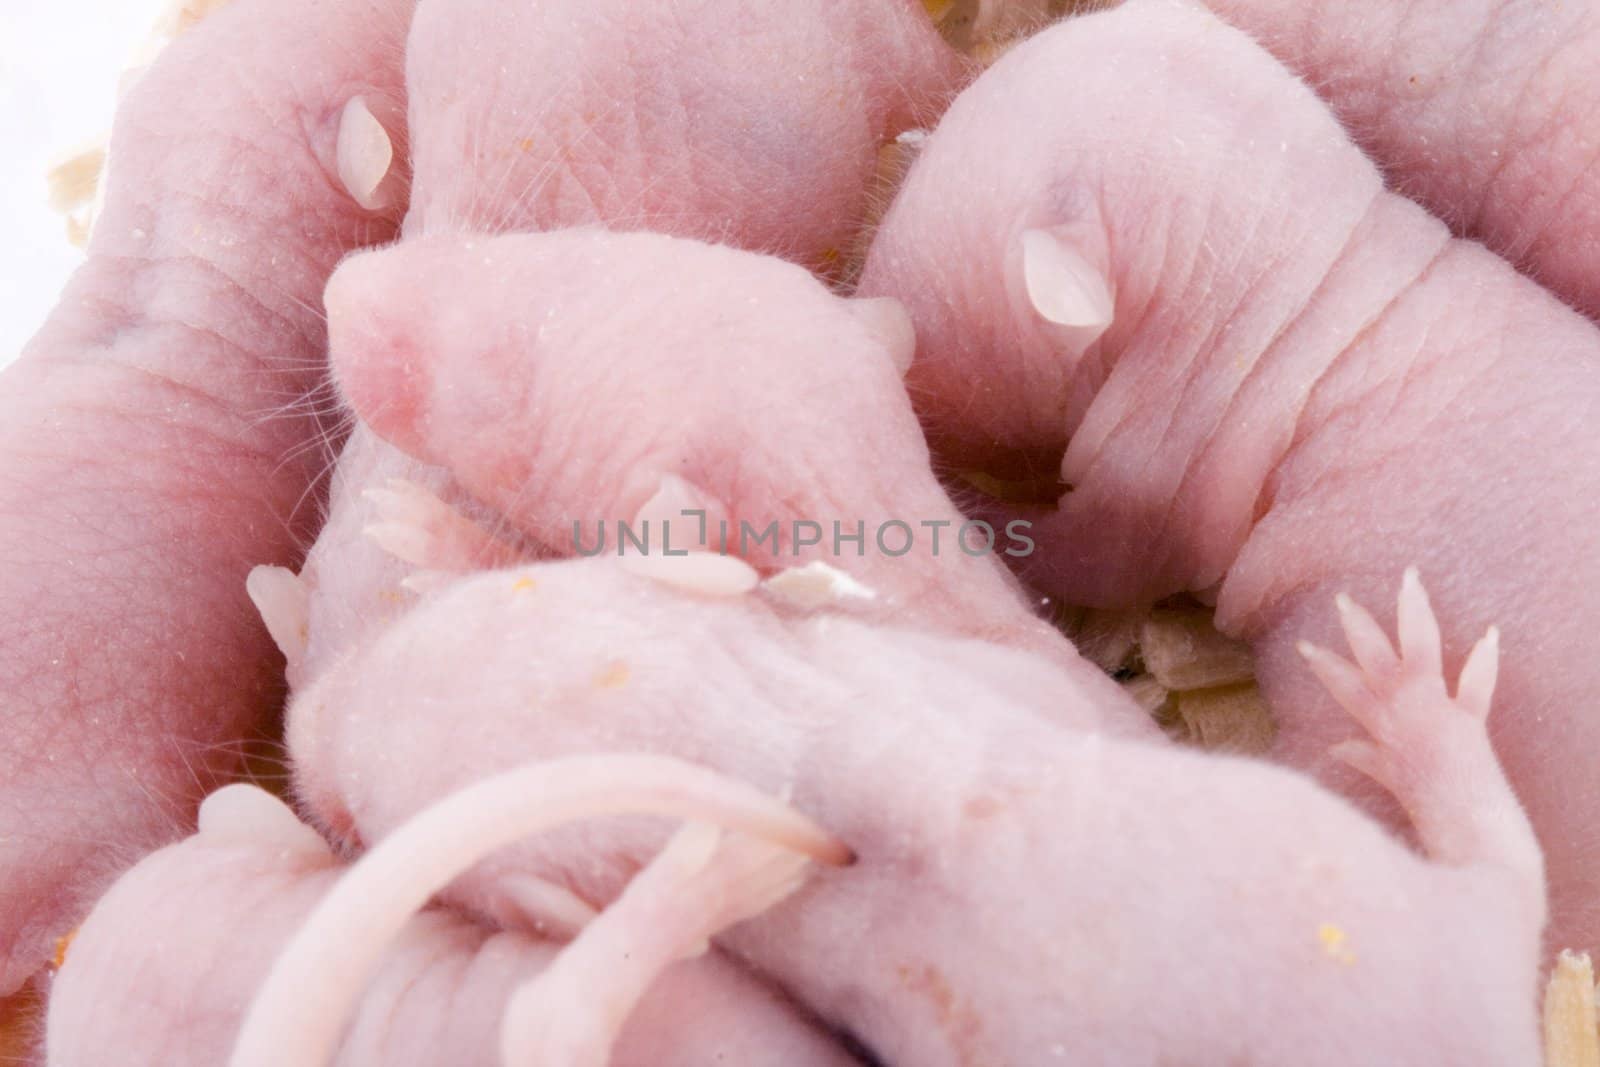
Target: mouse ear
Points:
(249, 814)
(281, 597)
(366, 157)
(1064, 285)
(685, 515)
(890, 325)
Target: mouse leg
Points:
(702, 882)
(1428, 748)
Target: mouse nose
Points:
(379, 364)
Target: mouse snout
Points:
(377, 360)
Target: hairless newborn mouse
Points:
(976, 783)
(199, 924)
(518, 363)
(1273, 375)
(1022, 888)
(644, 116)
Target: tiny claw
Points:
(404, 499)
(1341, 678)
(413, 524)
(1420, 644)
(1475, 687)
(1368, 643)
(403, 541)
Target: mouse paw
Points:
(701, 883)
(1430, 749)
(1399, 696)
(415, 526)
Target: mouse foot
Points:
(415, 526)
(1430, 749)
(702, 882)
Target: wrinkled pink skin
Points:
(1016, 896)
(632, 115)
(741, 121)
(932, 987)
(154, 450)
(162, 970)
(1483, 111)
(759, 161)
(486, 356)
(756, 159)
(1307, 385)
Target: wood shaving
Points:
(1196, 683)
(1108, 639)
(987, 29)
(1230, 719)
(1183, 649)
(1156, 699)
(1571, 1037)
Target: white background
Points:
(59, 62)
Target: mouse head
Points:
(568, 343)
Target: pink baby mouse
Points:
(508, 363)
(640, 115)
(1022, 891)
(752, 143)
(742, 121)
(161, 972)
(1273, 380)
(575, 380)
